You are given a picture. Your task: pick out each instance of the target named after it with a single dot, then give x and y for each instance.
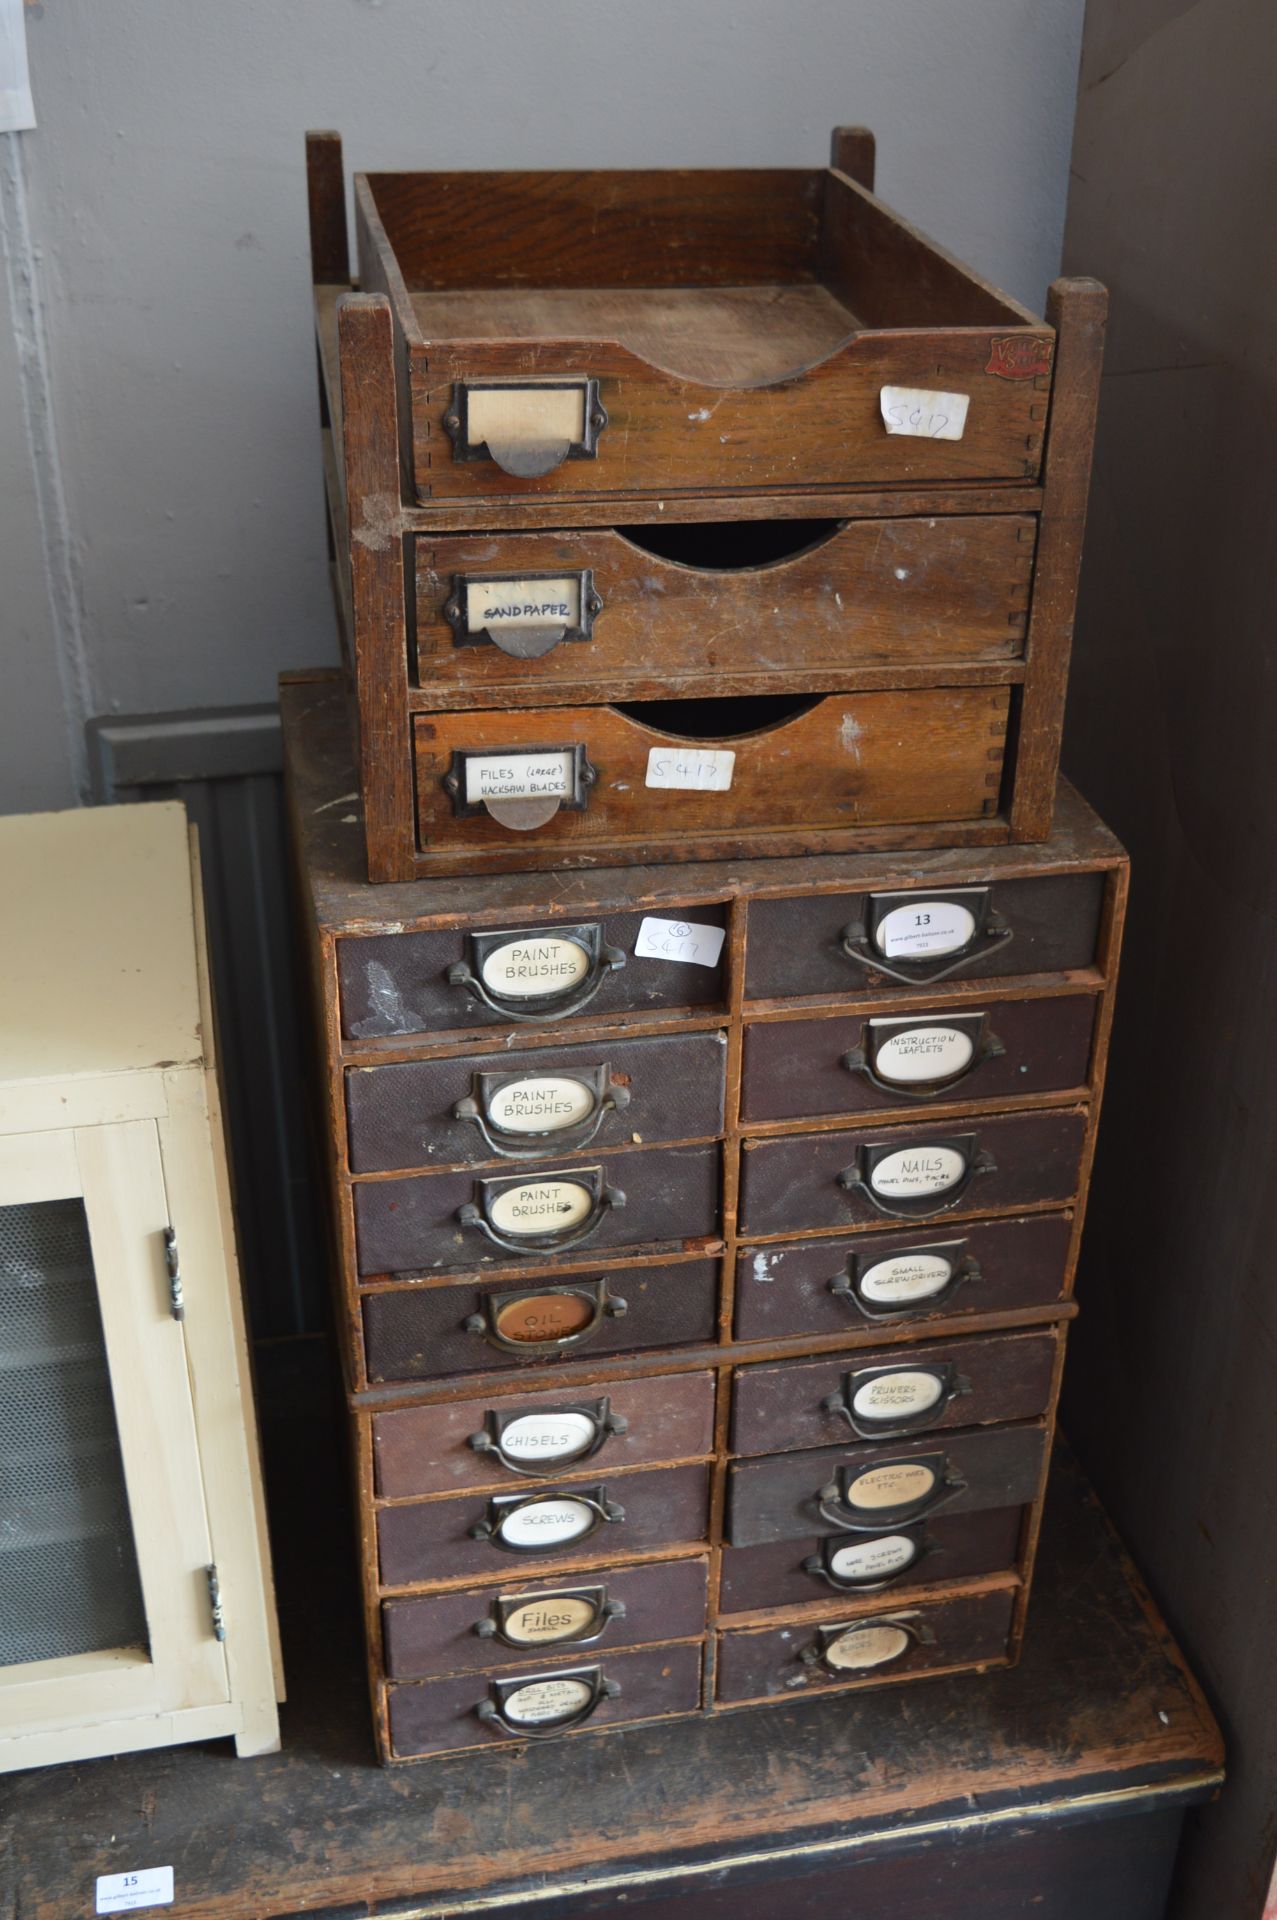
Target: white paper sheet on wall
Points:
(17, 109)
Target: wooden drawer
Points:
(803, 1069)
(674, 780)
(893, 1392)
(524, 1105)
(849, 1286)
(500, 1440)
(862, 1489)
(589, 1521)
(510, 1624)
(443, 1716)
(866, 1648)
(868, 1177)
(443, 1220)
(783, 1573)
(838, 943)
(418, 1333)
(511, 975)
(578, 614)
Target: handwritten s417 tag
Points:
(682, 940)
(693, 769)
(128, 1892)
(923, 414)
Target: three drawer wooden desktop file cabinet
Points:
(683, 515)
(705, 1248)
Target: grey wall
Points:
(164, 233)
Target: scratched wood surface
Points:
(1100, 1706)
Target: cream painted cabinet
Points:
(136, 1606)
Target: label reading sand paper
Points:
(682, 940)
(862, 1647)
(924, 415)
(548, 1437)
(127, 1892)
(912, 1054)
(927, 927)
(691, 769)
(523, 603)
(549, 1617)
(541, 1105)
(541, 1206)
(874, 1559)
(542, 1702)
(902, 1485)
(918, 1170)
(519, 776)
(546, 1523)
(904, 1278)
(535, 967)
(897, 1396)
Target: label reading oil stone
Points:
(900, 1395)
(907, 1055)
(535, 967)
(546, 1523)
(548, 1437)
(903, 1484)
(911, 1172)
(862, 1647)
(905, 1278)
(519, 776)
(543, 1702)
(544, 1316)
(924, 928)
(541, 1104)
(549, 602)
(870, 1560)
(541, 1206)
(548, 1617)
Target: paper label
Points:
(863, 1647)
(125, 1892)
(548, 1437)
(519, 776)
(915, 1054)
(535, 967)
(923, 414)
(545, 1104)
(523, 603)
(542, 1206)
(546, 1523)
(922, 928)
(873, 1559)
(694, 769)
(896, 1396)
(544, 1316)
(549, 1617)
(504, 415)
(905, 1277)
(918, 1170)
(902, 1485)
(684, 940)
(542, 1702)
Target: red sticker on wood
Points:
(1016, 357)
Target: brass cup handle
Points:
(610, 1199)
(966, 1273)
(835, 1513)
(486, 1628)
(566, 1140)
(854, 942)
(606, 1306)
(851, 1180)
(605, 1424)
(816, 1566)
(493, 1717)
(954, 1386)
(857, 1060)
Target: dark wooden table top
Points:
(1100, 1717)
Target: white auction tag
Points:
(926, 415)
(124, 1892)
(679, 940)
(693, 769)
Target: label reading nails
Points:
(911, 1171)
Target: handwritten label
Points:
(542, 1702)
(691, 769)
(125, 1892)
(544, 1104)
(923, 414)
(896, 1396)
(542, 1206)
(918, 1170)
(535, 965)
(906, 1277)
(918, 1053)
(546, 1523)
(903, 1484)
(553, 1437)
(523, 603)
(684, 940)
(862, 1647)
(518, 776)
(869, 1560)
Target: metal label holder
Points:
(953, 1385)
(604, 1423)
(860, 937)
(486, 1086)
(520, 642)
(525, 456)
(604, 1199)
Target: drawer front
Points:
(892, 1279)
(786, 1573)
(588, 777)
(512, 611)
(864, 1649)
(803, 1069)
(865, 1489)
(507, 1438)
(593, 1520)
(436, 1221)
(525, 1105)
(562, 1620)
(420, 1333)
(404, 983)
(871, 1177)
(891, 1393)
(838, 942)
(442, 1716)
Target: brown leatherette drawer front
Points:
(889, 1393)
(825, 1286)
(787, 1573)
(804, 1069)
(514, 973)
(419, 1333)
(483, 1536)
(881, 1177)
(640, 777)
(564, 1620)
(683, 600)
(529, 1104)
(437, 1221)
(870, 1489)
(508, 1438)
(835, 942)
(864, 1649)
(442, 1716)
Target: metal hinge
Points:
(176, 1301)
(215, 1604)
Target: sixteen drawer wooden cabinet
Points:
(705, 1248)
